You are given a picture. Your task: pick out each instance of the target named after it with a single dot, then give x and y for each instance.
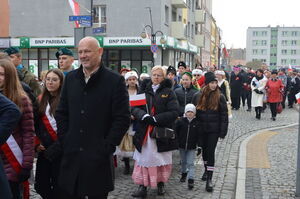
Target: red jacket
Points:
(201, 81)
(24, 136)
(274, 90)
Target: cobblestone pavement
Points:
(278, 181)
(241, 126)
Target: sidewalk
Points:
(270, 164)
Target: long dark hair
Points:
(46, 97)
(209, 99)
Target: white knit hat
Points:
(146, 75)
(219, 72)
(190, 107)
(131, 74)
(197, 72)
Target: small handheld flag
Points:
(298, 98)
(137, 100)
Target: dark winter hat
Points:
(64, 51)
(172, 70)
(181, 63)
(12, 50)
(210, 77)
(274, 72)
(188, 74)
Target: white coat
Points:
(257, 99)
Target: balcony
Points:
(199, 40)
(177, 29)
(199, 16)
(179, 3)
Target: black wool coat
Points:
(236, 84)
(188, 133)
(166, 112)
(214, 122)
(184, 97)
(9, 117)
(92, 119)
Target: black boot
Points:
(161, 189)
(127, 166)
(190, 184)
(141, 192)
(183, 177)
(204, 176)
(259, 112)
(209, 186)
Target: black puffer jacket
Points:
(166, 112)
(188, 133)
(184, 97)
(211, 121)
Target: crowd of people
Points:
(77, 123)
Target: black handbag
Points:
(162, 132)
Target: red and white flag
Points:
(75, 10)
(298, 98)
(137, 100)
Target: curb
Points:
(241, 172)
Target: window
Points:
(284, 52)
(284, 42)
(255, 33)
(293, 61)
(294, 33)
(293, 52)
(254, 52)
(174, 14)
(263, 51)
(284, 33)
(294, 42)
(283, 61)
(166, 15)
(198, 4)
(189, 30)
(192, 31)
(264, 33)
(193, 5)
(99, 16)
(263, 60)
(264, 42)
(255, 42)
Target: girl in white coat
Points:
(258, 84)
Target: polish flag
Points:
(298, 97)
(137, 100)
(75, 10)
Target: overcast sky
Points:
(235, 16)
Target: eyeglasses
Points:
(52, 80)
(197, 75)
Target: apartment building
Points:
(274, 46)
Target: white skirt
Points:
(150, 157)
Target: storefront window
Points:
(137, 65)
(33, 54)
(52, 52)
(147, 55)
(125, 54)
(136, 55)
(113, 55)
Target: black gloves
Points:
(258, 91)
(199, 150)
(149, 120)
(24, 175)
(253, 84)
(52, 152)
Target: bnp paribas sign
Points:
(52, 42)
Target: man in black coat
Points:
(9, 117)
(236, 86)
(92, 118)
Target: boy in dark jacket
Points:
(188, 137)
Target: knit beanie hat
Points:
(190, 107)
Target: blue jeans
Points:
(187, 162)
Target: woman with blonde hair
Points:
(18, 172)
(153, 155)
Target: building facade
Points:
(185, 25)
(274, 46)
(237, 56)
